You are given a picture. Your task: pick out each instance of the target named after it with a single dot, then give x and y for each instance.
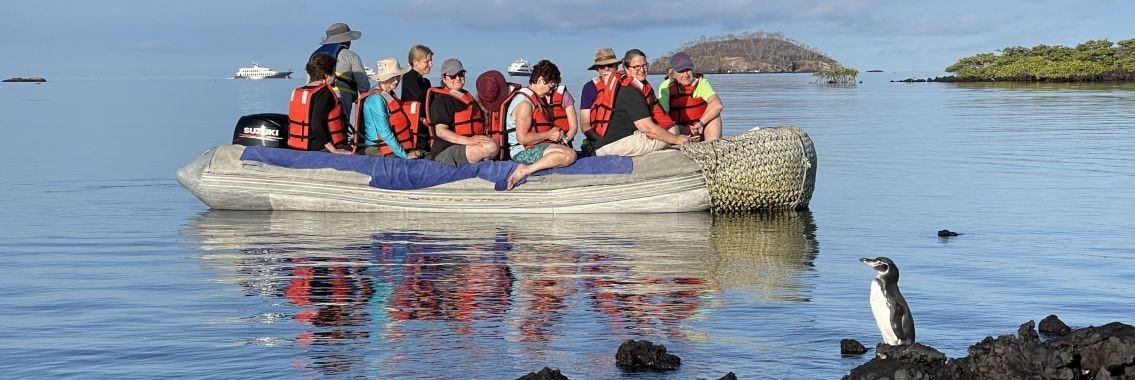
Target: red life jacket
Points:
(466, 122)
(405, 117)
(685, 109)
(559, 112)
(497, 126)
(604, 103)
(299, 118)
(540, 120)
(657, 114)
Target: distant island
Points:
(1091, 61)
(31, 79)
(753, 52)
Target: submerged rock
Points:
(645, 356)
(947, 233)
(544, 374)
(1105, 352)
(729, 376)
(31, 79)
(851, 347)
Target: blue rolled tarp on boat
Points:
(402, 174)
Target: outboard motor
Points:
(262, 129)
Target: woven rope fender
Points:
(770, 168)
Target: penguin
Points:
(892, 314)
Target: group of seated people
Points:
(533, 125)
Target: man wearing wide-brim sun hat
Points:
(605, 64)
(350, 74)
(389, 125)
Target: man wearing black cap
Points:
(690, 99)
(459, 132)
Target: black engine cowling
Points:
(262, 129)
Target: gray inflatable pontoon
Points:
(767, 168)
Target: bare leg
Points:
(713, 130)
(481, 152)
(555, 156)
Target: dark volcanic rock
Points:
(851, 347)
(729, 376)
(1052, 326)
(645, 356)
(32, 80)
(1105, 352)
(544, 374)
(947, 233)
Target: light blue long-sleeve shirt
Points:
(376, 124)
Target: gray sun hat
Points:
(451, 67)
(340, 32)
(388, 68)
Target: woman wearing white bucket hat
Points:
(389, 126)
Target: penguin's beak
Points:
(872, 262)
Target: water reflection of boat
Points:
(419, 280)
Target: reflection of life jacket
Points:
(497, 126)
(540, 120)
(604, 103)
(468, 120)
(685, 109)
(404, 120)
(347, 79)
(299, 118)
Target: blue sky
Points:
(209, 39)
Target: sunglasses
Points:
(460, 74)
(609, 66)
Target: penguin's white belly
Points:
(882, 312)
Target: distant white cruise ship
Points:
(260, 72)
(520, 68)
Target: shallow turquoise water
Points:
(114, 271)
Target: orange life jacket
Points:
(540, 120)
(299, 118)
(604, 103)
(466, 122)
(497, 126)
(657, 114)
(559, 112)
(685, 109)
(404, 121)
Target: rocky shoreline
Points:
(1090, 353)
(955, 79)
(28, 80)
(1104, 352)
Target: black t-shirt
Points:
(630, 106)
(322, 102)
(414, 87)
(442, 109)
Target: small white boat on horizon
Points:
(260, 72)
(520, 68)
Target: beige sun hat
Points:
(388, 68)
(604, 56)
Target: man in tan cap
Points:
(604, 66)
(350, 75)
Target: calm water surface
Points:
(112, 270)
